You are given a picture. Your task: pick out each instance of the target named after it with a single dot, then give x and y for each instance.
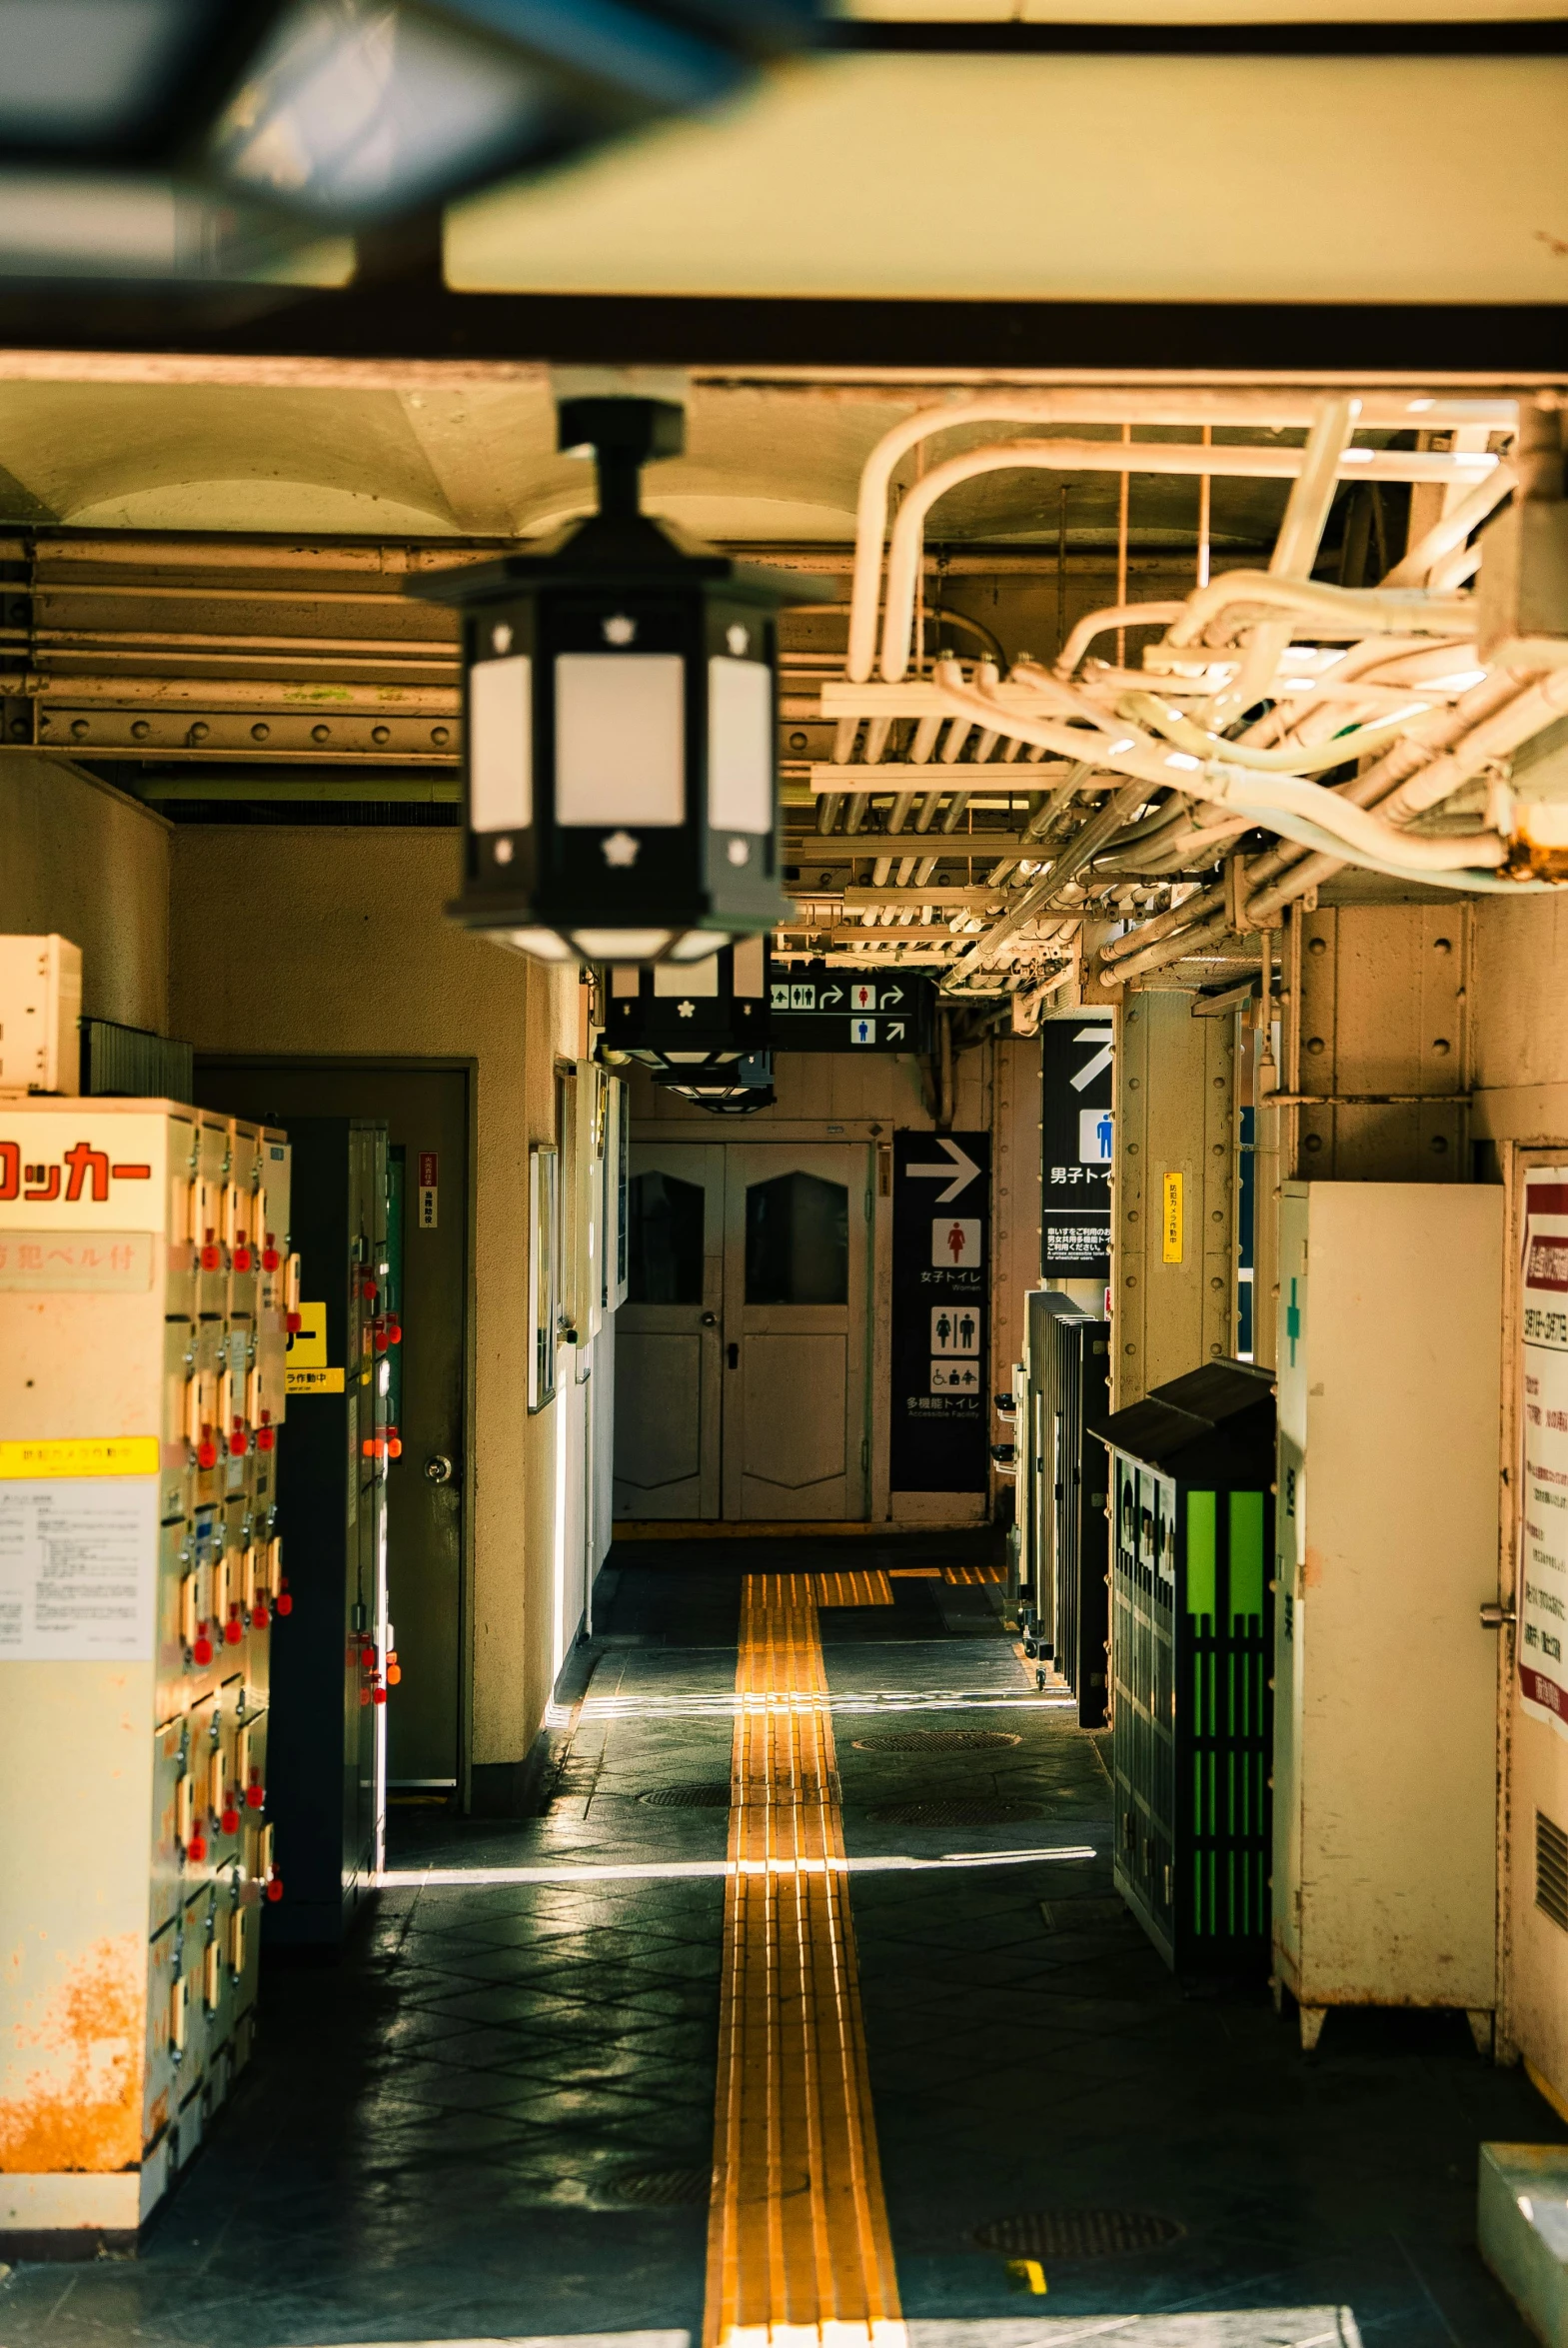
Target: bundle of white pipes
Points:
(1385, 679)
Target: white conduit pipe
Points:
(1117, 616)
(1158, 943)
(1498, 737)
(1198, 409)
(1277, 799)
(1293, 759)
(1367, 790)
(1295, 552)
(1451, 531)
(1348, 611)
(1093, 456)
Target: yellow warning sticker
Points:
(79, 1455)
(308, 1343)
(1171, 1234)
(313, 1381)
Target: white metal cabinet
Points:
(1385, 1793)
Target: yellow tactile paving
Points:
(974, 1573)
(798, 2242)
(852, 1588)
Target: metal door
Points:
(668, 1397)
(797, 1312)
(425, 1112)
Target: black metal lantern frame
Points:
(621, 726)
(682, 1020)
(738, 1089)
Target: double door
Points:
(742, 1352)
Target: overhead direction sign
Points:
(815, 1008)
(1077, 1133)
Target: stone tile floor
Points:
(427, 2143)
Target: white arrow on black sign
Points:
(896, 1030)
(829, 996)
(1101, 1038)
(958, 1173)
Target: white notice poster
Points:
(78, 1567)
(1542, 1603)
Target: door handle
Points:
(734, 1352)
(709, 1321)
(437, 1468)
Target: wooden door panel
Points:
(659, 1419)
(795, 1442)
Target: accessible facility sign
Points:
(941, 1281)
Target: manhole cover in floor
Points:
(1078, 2233)
(958, 1811)
(937, 1740)
(686, 1797)
(659, 2188)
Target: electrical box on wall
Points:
(40, 1013)
(1385, 1792)
(144, 1280)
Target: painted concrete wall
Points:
(83, 860)
(353, 956)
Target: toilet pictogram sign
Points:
(941, 1271)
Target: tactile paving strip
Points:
(793, 2097)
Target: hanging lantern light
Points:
(745, 1086)
(622, 732)
(684, 1021)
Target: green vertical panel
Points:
(1201, 1597)
(1246, 1557)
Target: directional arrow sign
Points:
(829, 996)
(1100, 1058)
(894, 1031)
(958, 1173)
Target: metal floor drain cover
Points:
(1078, 2233)
(686, 1797)
(659, 2188)
(937, 1740)
(958, 1811)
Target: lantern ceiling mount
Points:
(621, 724)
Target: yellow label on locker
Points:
(307, 1347)
(313, 1381)
(1171, 1234)
(110, 1455)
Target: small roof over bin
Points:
(1212, 1427)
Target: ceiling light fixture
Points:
(622, 726)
